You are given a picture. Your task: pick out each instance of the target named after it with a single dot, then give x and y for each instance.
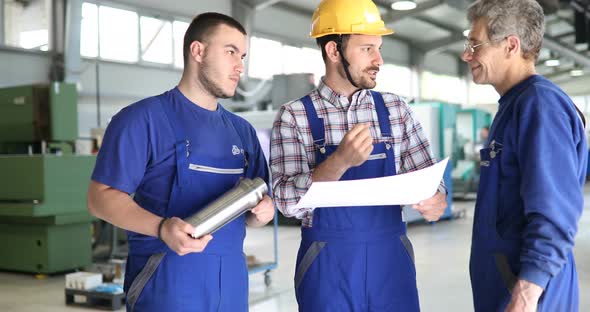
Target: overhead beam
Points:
(294, 9)
(440, 45)
(566, 79)
(566, 34)
(558, 73)
(580, 8)
(554, 45)
(461, 5)
(438, 24)
(262, 4)
(437, 46)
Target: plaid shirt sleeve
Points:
(291, 174)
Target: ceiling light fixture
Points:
(552, 63)
(576, 73)
(403, 5)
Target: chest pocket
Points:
(217, 170)
(491, 155)
(395, 141)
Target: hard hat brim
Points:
(381, 32)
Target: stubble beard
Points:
(210, 85)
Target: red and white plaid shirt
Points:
(292, 152)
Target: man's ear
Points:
(197, 51)
(332, 52)
(513, 47)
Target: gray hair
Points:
(522, 18)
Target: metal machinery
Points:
(466, 172)
(44, 225)
(284, 89)
(438, 122)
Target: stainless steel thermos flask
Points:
(243, 197)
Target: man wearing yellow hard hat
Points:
(350, 258)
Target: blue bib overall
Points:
(157, 279)
(356, 258)
(495, 258)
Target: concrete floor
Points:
(441, 250)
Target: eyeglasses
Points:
(467, 46)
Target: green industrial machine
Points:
(438, 121)
(466, 172)
(44, 224)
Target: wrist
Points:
(160, 226)
(340, 164)
(525, 289)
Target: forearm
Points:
(252, 221)
(525, 297)
(332, 169)
(288, 190)
(119, 209)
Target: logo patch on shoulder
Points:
(236, 150)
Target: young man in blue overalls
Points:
(350, 258)
(533, 168)
(177, 152)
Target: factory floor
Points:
(441, 251)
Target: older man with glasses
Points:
(530, 195)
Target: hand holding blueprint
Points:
(403, 189)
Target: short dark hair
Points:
(203, 25)
(322, 41)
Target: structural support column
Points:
(57, 40)
(417, 58)
(463, 71)
(2, 21)
(73, 25)
(57, 25)
(244, 13)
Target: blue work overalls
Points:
(495, 260)
(157, 279)
(356, 258)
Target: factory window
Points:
(178, 30)
(118, 34)
(114, 34)
(89, 30)
(312, 62)
(156, 40)
(291, 56)
(26, 24)
(583, 103)
(269, 57)
(443, 88)
(303, 60)
(482, 94)
(395, 79)
(266, 59)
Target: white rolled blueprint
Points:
(403, 189)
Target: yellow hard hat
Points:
(338, 17)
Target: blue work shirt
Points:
(138, 149)
(542, 173)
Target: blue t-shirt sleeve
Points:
(125, 150)
(257, 167)
(552, 145)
